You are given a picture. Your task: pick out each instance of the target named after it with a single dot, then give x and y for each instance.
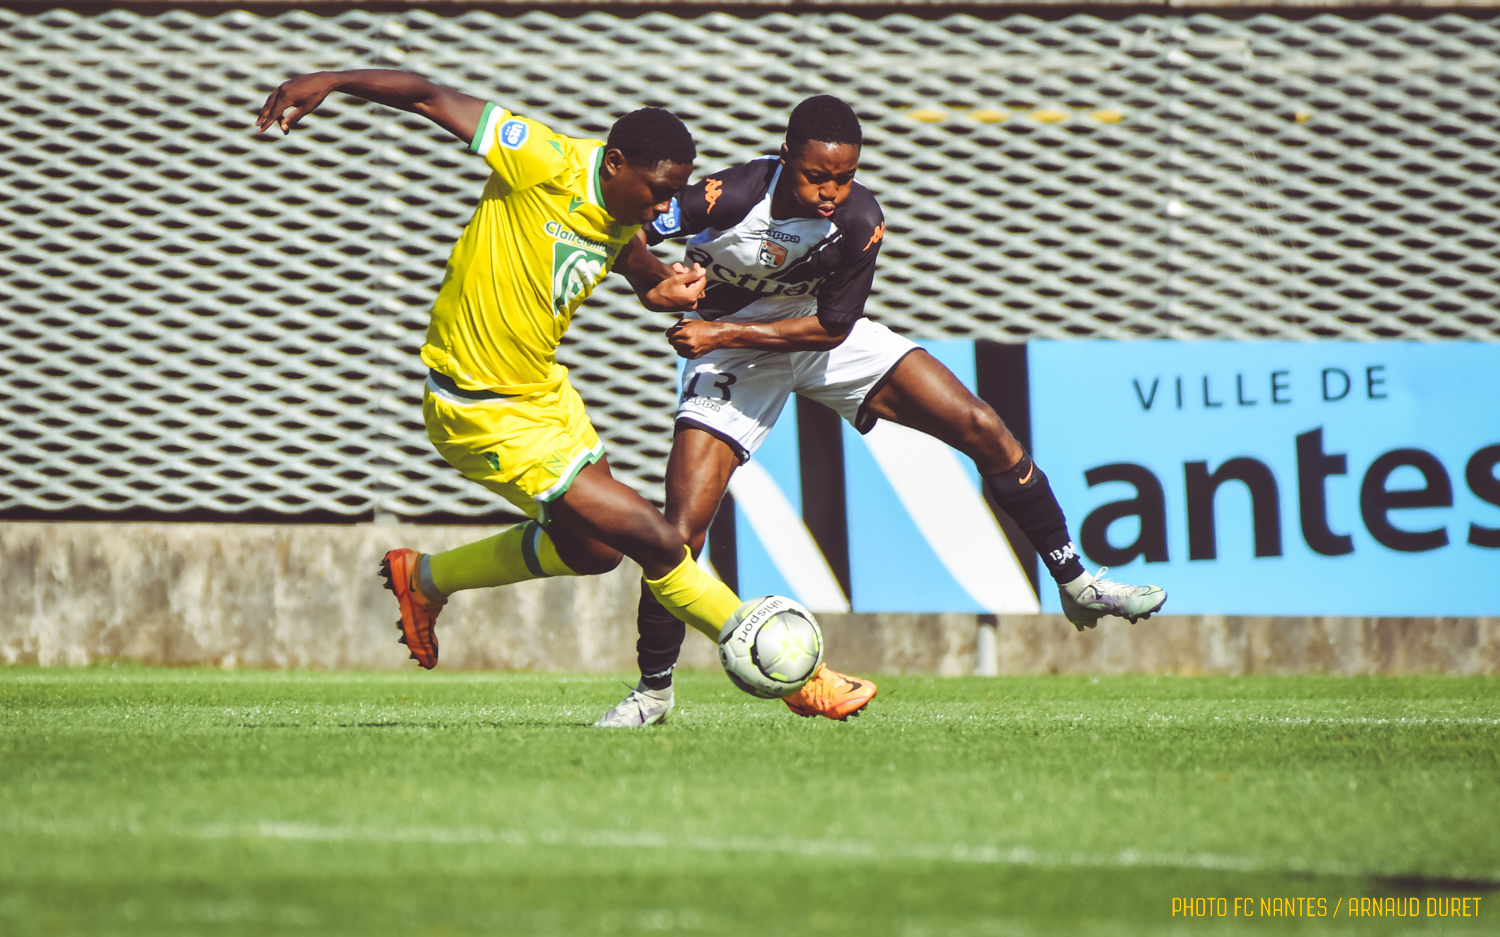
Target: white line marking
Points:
(646, 839)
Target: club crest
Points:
(772, 254)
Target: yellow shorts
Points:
(526, 449)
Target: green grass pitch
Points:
(150, 801)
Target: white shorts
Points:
(737, 394)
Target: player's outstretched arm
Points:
(454, 111)
(660, 288)
(694, 338)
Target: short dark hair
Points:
(652, 135)
(824, 118)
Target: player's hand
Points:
(678, 292)
(694, 338)
(294, 100)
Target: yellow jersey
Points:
(539, 242)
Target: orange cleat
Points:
(830, 693)
(418, 613)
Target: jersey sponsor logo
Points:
(670, 220)
(567, 235)
(764, 286)
(513, 133)
(575, 270)
(771, 254)
(712, 189)
(877, 237)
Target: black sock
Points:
(1023, 493)
(660, 641)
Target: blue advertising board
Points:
(1279, 478)
(916, 533)
(1245, 478)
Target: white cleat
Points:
(1100, 597)
(642, 707)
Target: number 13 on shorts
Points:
(721, 381)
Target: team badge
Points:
(669, 221)
(575, 272)
(513, 134)
(772, 254)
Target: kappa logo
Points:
(876, 237)
(513, 133)
(1067, 552)
(771, 254)
(575, 271)
(777, 235)
(712, 189)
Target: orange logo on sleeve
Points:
(712, 189)
(877, 236)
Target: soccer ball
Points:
(770, 647)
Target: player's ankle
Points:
(658, 682)
(665, 693)
(1075, 587)
(422, 584)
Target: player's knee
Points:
(662, 543)
(590, 557)
(982, 427)
(597, 563)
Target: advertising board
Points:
(1273, 478)
(1279, 478)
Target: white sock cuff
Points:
(1077, 586)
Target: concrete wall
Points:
(285, 596)
(308, 596)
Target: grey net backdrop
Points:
(198, 318)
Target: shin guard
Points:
(1023, 492)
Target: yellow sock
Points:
(695, 597)
(523, 552)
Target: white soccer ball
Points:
(770, 646)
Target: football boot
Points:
(1102, 597)
(643, 707)
(832, 694)
(419, 614)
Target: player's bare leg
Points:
(594, 522)
(600, 511)
(598, 507)
(422, 583)
(926, 396)
(698, 472)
